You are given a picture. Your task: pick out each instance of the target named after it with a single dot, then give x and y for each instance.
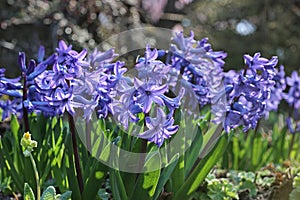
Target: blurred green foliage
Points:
(254, 149)
(277, 25)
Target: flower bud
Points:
(27, 143)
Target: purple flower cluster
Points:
(70, 80)
(293, 95)
(51, 91)
(293, 99)
(199, 65)
(98, 90)
(249, 92)
(142, 93)
(10, 107)
(10, 87)
(189, 64)
(277, 91)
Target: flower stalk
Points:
(24, 98)
(75, 150)
(37, 179)
(28, 144)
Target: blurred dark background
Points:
(235, 26)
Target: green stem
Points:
(75, 150)
(37, 179)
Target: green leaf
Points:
(295, 194)
(14, 125)
(94, 179)
(147, 182)
(28, 193)
(61, 179)
(5, 153)
(105, 154)
(249, 185)
(256, 150)
(202, 169)
(65, 196)
(165, 175)
(210, 138)
(49, 193)
(178, 174)
(193, 152)
(150, 181)
(236, 152)
(117, 186)
(70, 170)
(15, 140)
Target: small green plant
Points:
(223, 185)
(295, 194)
(244, 181)
(49, 194)
(221, 189)
(5, 185)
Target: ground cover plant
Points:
(86, 125)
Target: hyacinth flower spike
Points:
(250, 92)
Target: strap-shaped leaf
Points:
(14, 125)
(193, 152)
(94, 178)
(202, 169)
(147, 182)
(117, 185)
(165, 175)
